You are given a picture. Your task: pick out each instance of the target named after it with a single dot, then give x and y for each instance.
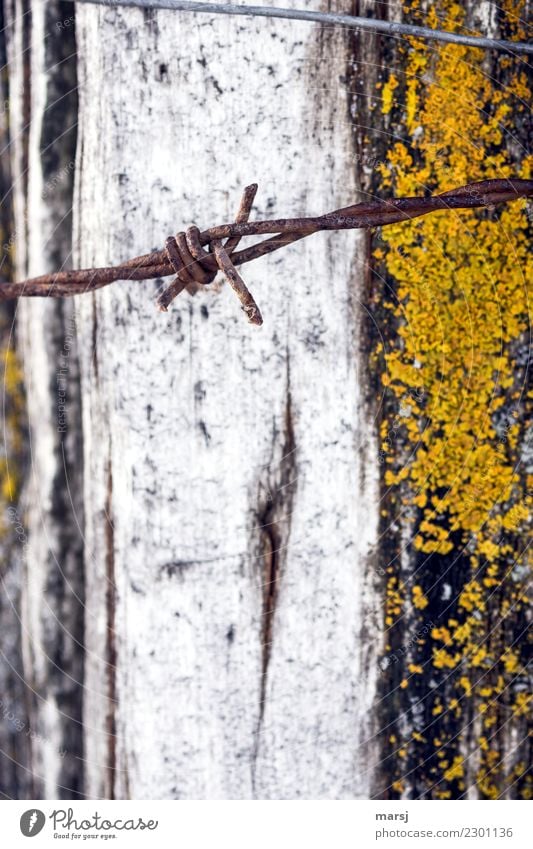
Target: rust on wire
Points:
(195, 257)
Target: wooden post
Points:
(230, 471)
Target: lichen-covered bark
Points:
(43, 106)
(450, 298)
(230, 503)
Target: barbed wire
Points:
(186, 256)
(391, 28)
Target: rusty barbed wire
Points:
(196, 257)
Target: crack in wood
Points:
(274, 520)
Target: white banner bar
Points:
(268, 825)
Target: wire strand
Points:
(390, 28)
(186, 256)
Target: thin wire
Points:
(388, 27)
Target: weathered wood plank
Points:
(223, 458)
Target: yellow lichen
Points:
(13, 405)
(419, 599)
(460, 309)
(456, 770)
(388, 94)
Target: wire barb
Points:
(195, 257)
(236, 282)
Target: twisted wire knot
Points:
(185, 250)
(195, 266)
(187, 258)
